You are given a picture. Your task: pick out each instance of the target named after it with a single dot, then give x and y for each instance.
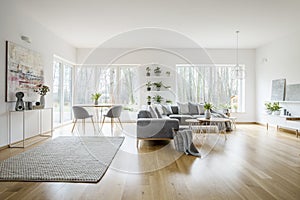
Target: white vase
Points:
(207, 114)
(96, 102)
(42, 101)
(277, 112)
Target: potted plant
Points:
(158, 85)
(148, 84)
(276, 108)
(157, 71)
(168, 73)
(158, 99)
(149, 100)
(207, 106)
(42, 90)
(148, 69)
(268, 106)
(96, 97)
(168, 101)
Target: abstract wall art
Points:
(24, 71)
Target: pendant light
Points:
(238, 71)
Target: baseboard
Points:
(4, 147)
(246, 122)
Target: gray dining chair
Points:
(113, 112)
(81, 113)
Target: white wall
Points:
(171, 57)
(14, 23)
(276, 60)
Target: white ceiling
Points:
(209, 23)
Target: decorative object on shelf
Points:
(158, 99)
(149, 100)
(24, 70)
(148, 69)
(96, 97)
(238, 71)
(157, 71)
(207, 107)
(278, 90)
(167, 87)
(28, 105)
(20, 103)
(168, 101)
(276, 108)
(42, 90)
(268, 106)
(168, 74)
(158, 85)
(148, 84)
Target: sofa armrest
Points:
(156, 128)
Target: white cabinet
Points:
(283, 121)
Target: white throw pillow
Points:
(201, 108)
(152, 111)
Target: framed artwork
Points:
(24, 71)
(293, 92)
(278, 90)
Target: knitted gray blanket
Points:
(183, 141)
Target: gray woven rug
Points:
(66, 159)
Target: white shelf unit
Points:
(166, 93)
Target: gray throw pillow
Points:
(144, 114)
(183, 108)
(152, 111)
(167, 110)
(175, 110)
(193, 108)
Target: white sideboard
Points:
(289, 122)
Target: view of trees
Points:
(197, 83)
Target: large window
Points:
(116, 84)
(204, 83)
(62, 92)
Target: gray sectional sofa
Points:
(158, 122)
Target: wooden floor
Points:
(252, 164)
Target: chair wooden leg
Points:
(120, 122)
(102, 122)
(74, 125)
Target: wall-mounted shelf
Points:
(288, 101)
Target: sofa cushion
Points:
(183, 108)
(153, 113)
(193, 108)
(166, 110)
(181, 118)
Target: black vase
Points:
(20, 103)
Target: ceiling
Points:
(168, 23)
